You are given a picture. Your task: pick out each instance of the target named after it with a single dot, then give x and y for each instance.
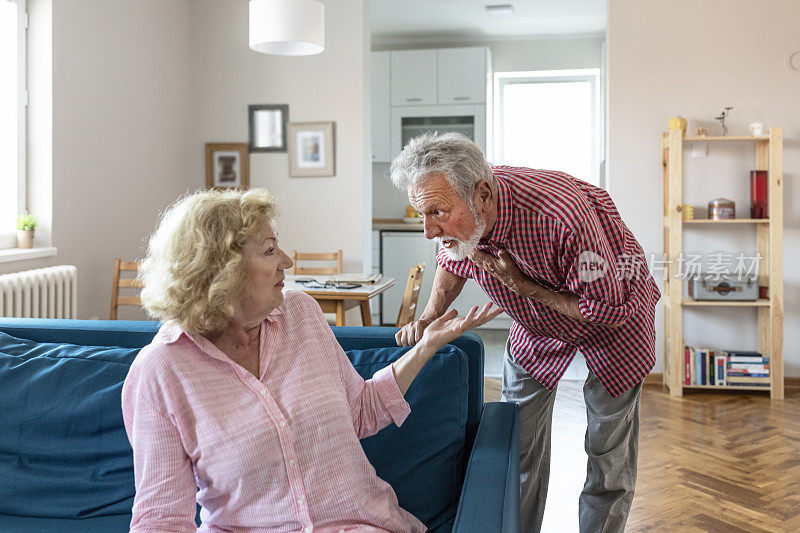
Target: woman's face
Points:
(262, 290)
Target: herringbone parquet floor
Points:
(727, 462)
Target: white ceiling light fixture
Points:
(500, 9)
(287, 27)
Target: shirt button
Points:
(291, 462)
(263, 392)
(307, 529)
(299, 501)
(282, 424)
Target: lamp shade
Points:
(287, 27)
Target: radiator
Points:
(50, 292)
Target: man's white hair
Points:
(451, 155)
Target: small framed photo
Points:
(311, 149)
(268, 127)
(227, 166)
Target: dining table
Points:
(337, 298)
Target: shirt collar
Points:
(505, 210)
(171, 331)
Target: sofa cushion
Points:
(63, 448)
(423, 459)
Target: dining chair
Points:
(334, 315)
(317, 257)
(408, 307)
(124, 267)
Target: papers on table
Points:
(339, 280)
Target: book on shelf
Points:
(721, 368)
(734, 357)
(747, 379)
(687, 366)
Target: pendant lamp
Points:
(287, 27)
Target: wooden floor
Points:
(708, 461)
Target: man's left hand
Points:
(502, 267)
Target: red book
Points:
(687, 358)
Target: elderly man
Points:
(553, 251)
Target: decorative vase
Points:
(759, 194)
(25, 238)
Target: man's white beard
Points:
(462, 249)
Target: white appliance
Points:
(401, 251)
(411, 121)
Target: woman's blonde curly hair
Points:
(193, 269)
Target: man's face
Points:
(446, 217)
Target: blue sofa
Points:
(66, 464)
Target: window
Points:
(549, 120)
(13, 96)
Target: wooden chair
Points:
(334, 312)
(408, 307)
(121, 266)
(329, 257)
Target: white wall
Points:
(667, 57)
(547, 54)
(120, 85)
(317, 214)
(139, 87)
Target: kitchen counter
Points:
(394, 224)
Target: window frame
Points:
(9, 240)
(590, 75)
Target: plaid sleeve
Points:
(589, 260)
(461, 269)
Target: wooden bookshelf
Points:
(726, 387)
(769, 311)
(729, 221)
(761, 302)
(728, 138)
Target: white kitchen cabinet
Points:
(401, 251)
(413, 79)
(462, 75)
(374, 303)
(471, 295)
(381, 107)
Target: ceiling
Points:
(467, 20)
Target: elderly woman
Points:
(244, 402)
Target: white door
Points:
(462, 75)
(413, 77)
(381, 111)
(399, 252)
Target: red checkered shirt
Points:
(552, 225)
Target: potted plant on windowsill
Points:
(26, 224)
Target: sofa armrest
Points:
(490, 496)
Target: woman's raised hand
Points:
(450, 326)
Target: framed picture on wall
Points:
(311, 149)
(227, 166)
(268, 127)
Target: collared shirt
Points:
(279, 452)
(562, 232)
